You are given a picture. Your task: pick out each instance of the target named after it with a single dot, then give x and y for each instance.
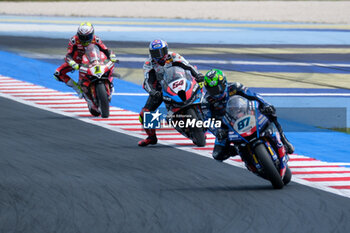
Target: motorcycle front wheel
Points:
(198, 134)
(102, 99)
(270, 171)
(288, 176)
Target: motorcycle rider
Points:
(75, 51)
(154, 67)
(214, 104)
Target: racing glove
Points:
(200, 80)
(155, 94)
(73, 64)
(200, 77)
(113, 57)
(221, 134)
(267, 109)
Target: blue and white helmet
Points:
(158, 49)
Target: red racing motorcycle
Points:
(96, 81)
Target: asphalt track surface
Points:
(59, 174)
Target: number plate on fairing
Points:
(245, 124)
(178, 85)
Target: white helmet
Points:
(85, 33)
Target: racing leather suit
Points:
(215, 108)
(154, 73)
(75, 52)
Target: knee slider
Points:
(216, 155)
(56, 75)
(220, 153)
(141, 119)
(143, 110)
(141, 115)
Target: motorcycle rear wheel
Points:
(198, 134)
(269, 168)
(102, 99)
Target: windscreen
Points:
(174, 73)
(237, 107)
(92, 53)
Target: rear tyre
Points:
(287, 176)
(269, 168)
(102, 99)
(198, 134)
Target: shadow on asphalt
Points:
(225, 188)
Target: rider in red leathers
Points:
(76, 49)
(94, 58)
(160, 58)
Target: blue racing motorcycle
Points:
(182, 96)
(256, 139)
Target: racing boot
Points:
(289, 147)
(233, 151)
(112, 91)
(220, 153)
(93, 110)
(91, 106)
(71, 83)
(151, 139)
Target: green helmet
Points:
(215, 82)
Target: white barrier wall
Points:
(283, 11)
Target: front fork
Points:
(280, 160)
(109, 89)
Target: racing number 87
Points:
(243, 123)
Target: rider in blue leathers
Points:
(214, 104)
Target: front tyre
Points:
(269, 169)
(198, 134)
(287, 176)
(102, 99)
